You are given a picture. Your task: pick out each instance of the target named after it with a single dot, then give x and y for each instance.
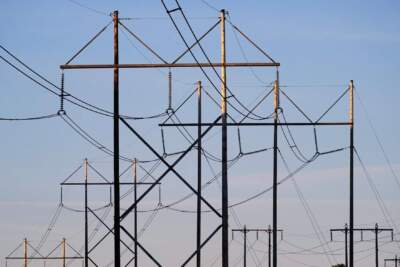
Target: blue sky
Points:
(321, 45)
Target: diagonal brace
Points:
(141, 247)
(109, 229)
(202, 244)
(196, 42)
(170, 168)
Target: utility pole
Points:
(117, 229)
(269, 231)
(275, 177)
(63, 252)
(351, 206)
(199, 173)
(396, 260)
(25, 252)
(224, 152)
(344, 230)
(86, 215)
(135, 215)
(245, 230)
(376, 230)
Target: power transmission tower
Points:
(87, 209)
(118, 218)
(245, 230)
(396, 260)
(38, 256)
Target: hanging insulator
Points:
(61, 196)
(62, 111)
(159, 195)
(239, 142)
(169, 91)
(111, 196)
(163, 142)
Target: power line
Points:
(88, 8)
(378, 140)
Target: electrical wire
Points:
(206, 56)
(378, 197)
(243, 52)
(42, 117)
(378, 140)
(48, 230)
(68, 96)
(88, 8)
(309, 212)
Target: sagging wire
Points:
(205, 55)
(42, 117)
(145, 226)
(242, 49)
(385, 211)
(378, 140)
(309, 212)
(71, 98)
(48, 230)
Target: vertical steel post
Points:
(395, 261)
(275, 178)
(224, 129)
(25, 252)
(199, 173)
(346, 231)
(376, 245)
(63, 252)
(269, 245)
(117, 233)
(244, 246)
(135, 215)
(351, 118)
(86, 215)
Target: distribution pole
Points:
(135, 215)
(63, 252)
(376, 246)
(117, 248)
(224, 129)
(25, 252)
(86, 215)
(396, 260)
(275, 178)
(269, 245)
(376, 230)
(345, 230)
(351, 118)
(270, 231)
(245, 230)
(199, 173)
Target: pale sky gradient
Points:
(321, 45)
